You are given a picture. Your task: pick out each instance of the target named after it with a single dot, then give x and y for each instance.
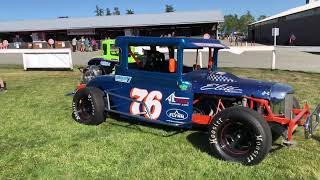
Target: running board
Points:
(150, 120)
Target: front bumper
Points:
(312, 122)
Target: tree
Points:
(244, 21)
(108, 12)
(232, 23)
(99, 11)
(129, 11)
(262, 17)
(116, 11)
(169, 8)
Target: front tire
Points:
(88, 106)
(240, 134)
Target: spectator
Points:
(94, 44)
(82, 44)
(292, 39)
(74, 44)
(87, 44)
(236, 41)
(230, 40)
(2, 86)
(51, 43)
(5, 44)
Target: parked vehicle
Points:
(102, 65)
(243, 116)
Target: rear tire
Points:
(240, 134)
(88, 106)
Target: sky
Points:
(11, 10)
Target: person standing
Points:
(236, 41)
(51, 43)
(2, 86)
(87, 44)
(82, 44)
(292, 39)
(74, 44)
(94, 44)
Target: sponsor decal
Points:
(105, 63)
(222, 87)
(221, 73)
(124, 79)
(152, 101)
(180, 101)
(177, 114)
(265, 93)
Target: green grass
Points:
(40, 140)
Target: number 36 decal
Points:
(152, 101)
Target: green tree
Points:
(99, 11)
(230, 24)
(116, 11)
(261, 17)
(108, 12)
(233, 23)
(129, 11)
(169, 8)
(244, 21)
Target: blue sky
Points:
(44, 9)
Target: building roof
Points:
(187, 43)
(175, 18)
(291, 11)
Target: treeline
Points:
(239, 24)
(116, 11)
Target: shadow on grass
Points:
(317, 138)
(276, 147)
(199, 140)
(134, 124)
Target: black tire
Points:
(88, 106)
(240, 134)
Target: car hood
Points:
(227, 84)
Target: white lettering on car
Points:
(255, 152)
(222, 87)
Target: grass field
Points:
(40, 140)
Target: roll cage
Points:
(178, 44)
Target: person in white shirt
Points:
(74, 44)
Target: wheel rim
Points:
(85, 108)
(236, 139)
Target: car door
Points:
(162, 98)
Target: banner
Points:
(76, 32)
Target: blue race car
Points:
(243, 116)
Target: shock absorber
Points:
(244, 102)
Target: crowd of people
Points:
(84, 44)
(236, 40)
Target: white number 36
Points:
(152, 101)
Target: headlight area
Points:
(283, 107)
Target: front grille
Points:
(288, 105)
(283, 107)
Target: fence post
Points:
(273, 66)
(200, 59)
